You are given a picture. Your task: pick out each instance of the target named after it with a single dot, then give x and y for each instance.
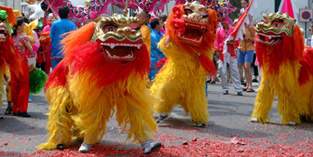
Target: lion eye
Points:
(188, 11)
(109, 28)
(278, 23)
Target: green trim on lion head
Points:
(276, 23)
(3, 15)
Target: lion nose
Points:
(125, 31)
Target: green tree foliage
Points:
(237, 4)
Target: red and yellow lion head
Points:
(278, 40)
(192, 26)
(112, 47)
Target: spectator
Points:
(246, 50)
(58, 31)
(229, 60)
(44, 53)
(19, 104)
(157, 57)
(22, 41)
(163, 19)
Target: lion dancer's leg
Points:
(135, 114)
(168, 93)
(196, 104)
(59, 118)
(92, 122)
(263, 103)
(289, 113)
(60, 111)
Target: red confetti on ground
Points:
(199, 147)
(12, 154)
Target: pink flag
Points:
(287, 7)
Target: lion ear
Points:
(78, 37)
(212, 17)
(177, 11)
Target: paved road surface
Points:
(229, 123)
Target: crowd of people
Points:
(236, 59)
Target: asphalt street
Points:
(229, 123)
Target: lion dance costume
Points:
(104, 70)
(188, 47)
(287, 70)
(15, 65)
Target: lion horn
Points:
(77, 38)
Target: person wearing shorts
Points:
(245, 56)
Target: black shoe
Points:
(161, 118)
(226, 92)
(239, 94)
(8, 110)
(255, 80)
(250, 90)
(22, 114)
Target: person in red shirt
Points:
(229, 61)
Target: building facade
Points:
(16, 4)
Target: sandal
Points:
(244, 88)
(250, 90)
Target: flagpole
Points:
(126, 8)
(277, 5)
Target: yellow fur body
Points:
(293, 99)
(81, 109)
(181, 81)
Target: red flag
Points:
(237, 31)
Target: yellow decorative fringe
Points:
(87, 107)
(181, 81)
(293, 100)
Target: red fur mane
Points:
(90, 58)
(289, 49)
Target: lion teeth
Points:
(138, 46)
(113, 45)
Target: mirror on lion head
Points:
(119, 37)
(274, 27)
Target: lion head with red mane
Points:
(192, 26)
(279, 40)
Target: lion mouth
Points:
(121, 51)
(268, 39)
(193, 33)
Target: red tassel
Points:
(207, 64)
(160, 63)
